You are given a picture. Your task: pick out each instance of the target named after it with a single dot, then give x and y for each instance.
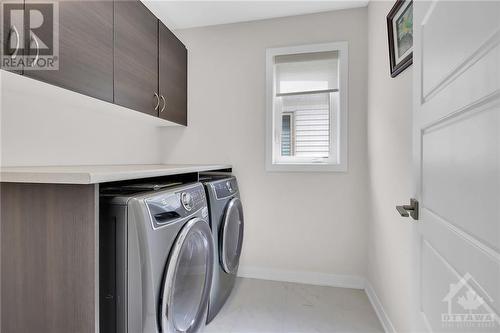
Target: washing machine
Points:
(227, 224)
(156, 260)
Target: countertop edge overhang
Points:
(95, 174)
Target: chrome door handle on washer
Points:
(164, 103)
(14, 54)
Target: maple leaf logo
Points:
(471, 301)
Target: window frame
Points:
(342, 120)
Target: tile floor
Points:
(260, 306)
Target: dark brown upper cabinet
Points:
(113, 50)
(85, 37)
(12, 45)
(136, 57)
(172, 77)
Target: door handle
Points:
(157, 100)
(13, 29)
(164, 103)
(409, 210)
(33, 38)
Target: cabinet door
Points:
(48, 253)
(85, 36)
(173, 77)
(136, 57)
(12, 35)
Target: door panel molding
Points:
(462, 252)
(472, 240)
(464, 192)
(454, 274)
(455, 73)
(446, 52)
(479, 105)
(459, 92)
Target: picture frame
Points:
(400, 36)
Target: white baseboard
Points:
(314, 278)
(379, 309)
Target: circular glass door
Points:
(231, 236)
(188, 278)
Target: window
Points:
(307, 108)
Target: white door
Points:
(457, 163)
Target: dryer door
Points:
(187, 280)
(231, 236)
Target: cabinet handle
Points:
(33, 38)
(13, 28)
(164, 104)
(157, 101)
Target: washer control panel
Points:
(187, 201)
(192, 199)
(225, 188)
(169, 206)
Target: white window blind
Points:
(296, 73)
(305, 84)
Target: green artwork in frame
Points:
(400, 35)
(404, 31)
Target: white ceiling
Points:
(189, 14)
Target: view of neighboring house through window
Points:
(287, 148)
(305, 126)
(306, 107)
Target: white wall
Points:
(390, 170)
(46, 125)
(296, 223)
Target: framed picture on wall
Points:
(400, 33)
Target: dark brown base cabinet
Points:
(116, 51)
(49, 258)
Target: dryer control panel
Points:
(225, 187)
(168, 206)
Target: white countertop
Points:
(93, 174)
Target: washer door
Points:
(231, 236)
(187, 281)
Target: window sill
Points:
(306, 167)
